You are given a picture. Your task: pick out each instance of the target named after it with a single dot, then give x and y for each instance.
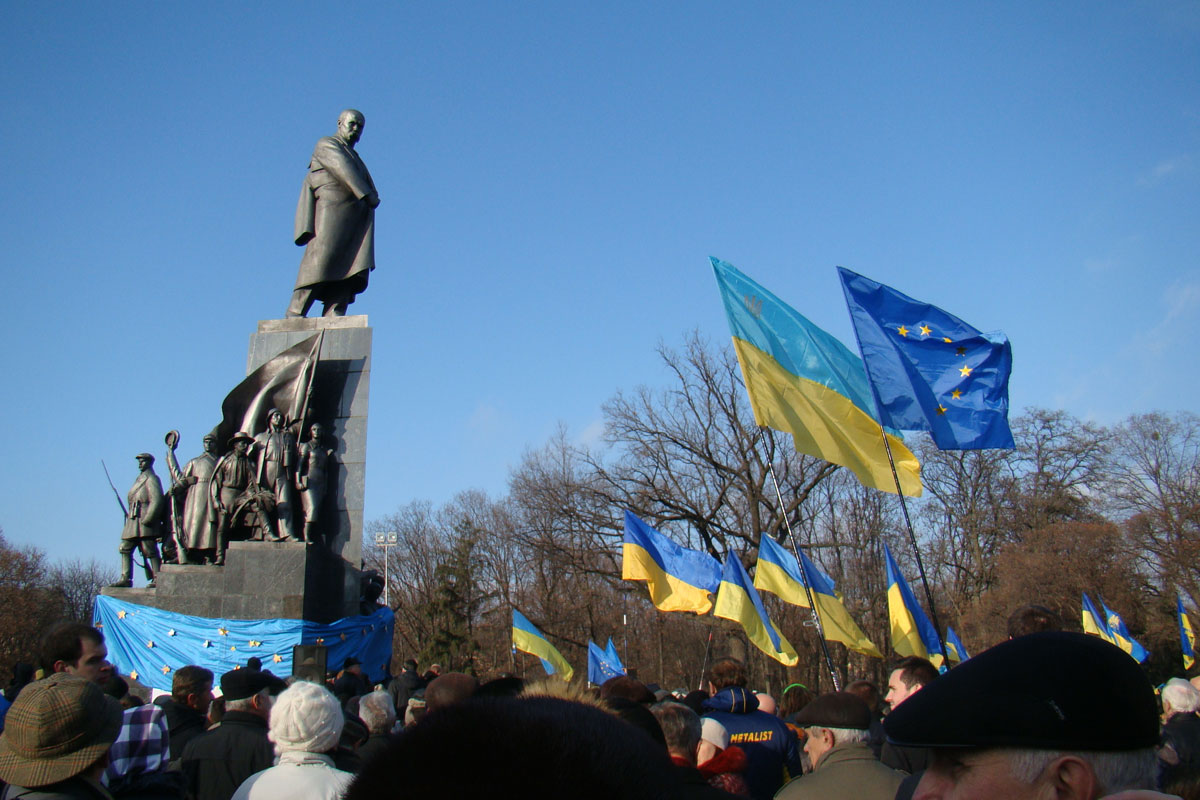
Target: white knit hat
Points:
(306, 717)
(713, 732)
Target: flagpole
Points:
(887, 446)
(912, 538)
(704, 663)
(812, 605)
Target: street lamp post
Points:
(386, 540)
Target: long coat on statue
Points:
(146, 506)
(334, 221)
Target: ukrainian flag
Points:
(1094, 622)
(528, 639)
(1121, 636)
(805, 382)
(954, 647)
(1187, 636)
(737, 600)
(778, 573)
(912, 632)
(679, 579)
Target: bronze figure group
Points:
(246, 494)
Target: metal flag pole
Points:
(812, 605)
(704, 663)
(912, 538)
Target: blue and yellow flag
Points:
(805, 382)
(528, 639)
(1187, 635)
(679, 579)
(928, 369)
(778, 573)
(912, 632)
(737, 600)
(600, 667)
(1121, 636)
(954, 647)
(1094, 622)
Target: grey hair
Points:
(844, 735)
(1115, 771)
(1179, 696)
(680, 726)
(247, 703)
(376, 710)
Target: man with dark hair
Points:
(218, 761)
(403, 685)
(187, 706)
(627, 687)
(1033, 619)
(771, 748)
(1023, 720)
(908, 676)
(842, 764)
(446, 690)
(77, 649)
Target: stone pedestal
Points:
(317, 582)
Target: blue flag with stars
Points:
(928, 369)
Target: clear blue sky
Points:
(554, 177)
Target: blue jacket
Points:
(772, 751)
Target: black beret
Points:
(835, 710)
(1045, 691)
(241, 683)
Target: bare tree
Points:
(79, 582)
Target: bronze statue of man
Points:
(276, 451)
(335, 223)
(312, 478)
(143, 522)
(233, 491)
(199, 521)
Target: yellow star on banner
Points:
(926, 330)
(171, 632)
(121, 615)
(277, 658)
(965, 371)
(957, 393)
(946, 339)
(207, 643)
(903, 331)
(231, 647)
(320, 641)
(343, 637)
(133, 674)
(222, 631)
(962, 351)
(254, 643)
(941, 409)
(150, 643)
(165, 669)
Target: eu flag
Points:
(928, 369)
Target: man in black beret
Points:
(837, 725)
(1052, 714)
(218, 761)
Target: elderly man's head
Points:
(833, 719)
(1179, 697)
(377, 711)
(350, 125)
(1051, 714)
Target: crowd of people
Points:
(1047, 714)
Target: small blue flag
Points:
(600, 668)
(928, 369)
(613, 657)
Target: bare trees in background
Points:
(1074, 507)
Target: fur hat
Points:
(55, 730)
(306, 717)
